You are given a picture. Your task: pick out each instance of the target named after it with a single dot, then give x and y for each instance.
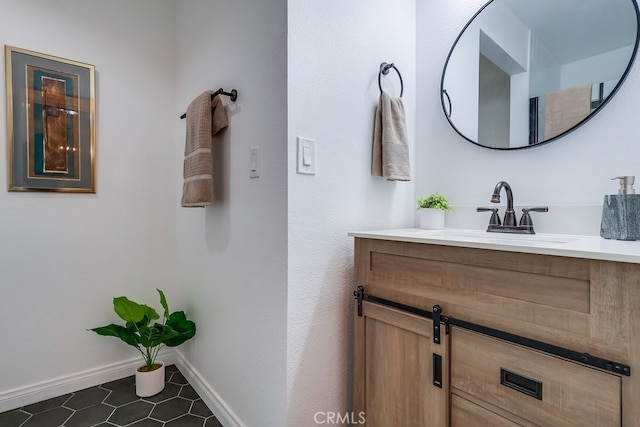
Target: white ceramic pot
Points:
(150, 383)
(431, 219)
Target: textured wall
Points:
(335, 51)
(232, 255)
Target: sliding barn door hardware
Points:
(359, 295)
(439, 320)
(434, 315)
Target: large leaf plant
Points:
(139, 332)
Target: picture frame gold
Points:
(50, 122)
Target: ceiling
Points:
(576, 29)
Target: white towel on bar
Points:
(390, 157)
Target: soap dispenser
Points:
(621, 212)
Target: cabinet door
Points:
(395, 367)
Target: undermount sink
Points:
(475, 235)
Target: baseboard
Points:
(220, 409)
(44, 390)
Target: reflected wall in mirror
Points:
(525, 72)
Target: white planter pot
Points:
(150, 383)
(431, 219)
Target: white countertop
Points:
(590, 247)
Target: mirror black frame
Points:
(443, 91)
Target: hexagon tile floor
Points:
(116, 404)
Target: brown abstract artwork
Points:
(54, 118)
(51, 103)
(53, 123)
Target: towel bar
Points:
(384, 69)
(233, 95)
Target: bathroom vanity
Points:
(468, 328)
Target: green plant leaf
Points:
(118, 331)
(167, 331)
(151, 313)
(107, 331)
(149, 337)
(434, 201)
(176, 316)
(163, 302)
(129, 337)
(186, 329)
(153, 336)
(128, 310)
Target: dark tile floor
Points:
(116, 404)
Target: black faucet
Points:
(509, 214)
(509, 224)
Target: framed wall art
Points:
(50, 122)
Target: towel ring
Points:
(384, 69)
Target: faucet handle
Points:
(525, 219)
(495, 218)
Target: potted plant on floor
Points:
(431, 211)
(148, 338)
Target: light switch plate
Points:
(254, 162)
(306, 156)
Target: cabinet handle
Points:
(437, 370)
(521, 383)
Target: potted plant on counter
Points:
(148, 337)
(431, 211)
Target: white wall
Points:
(461, 82)
(335, 51)
(232, 257)
(571, 175)
(504, 40)
(64, 256)
(599, 68)
(508, 33)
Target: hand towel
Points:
(202, 124)
(566, 108)
(390, 157)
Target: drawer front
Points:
(543, 389)
(465, 414)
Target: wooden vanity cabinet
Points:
(586, 305)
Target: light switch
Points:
(254, 162)
(306, 156)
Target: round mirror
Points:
(526, 72)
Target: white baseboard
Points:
(220, 409)
(44, 390)
(48, 389)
